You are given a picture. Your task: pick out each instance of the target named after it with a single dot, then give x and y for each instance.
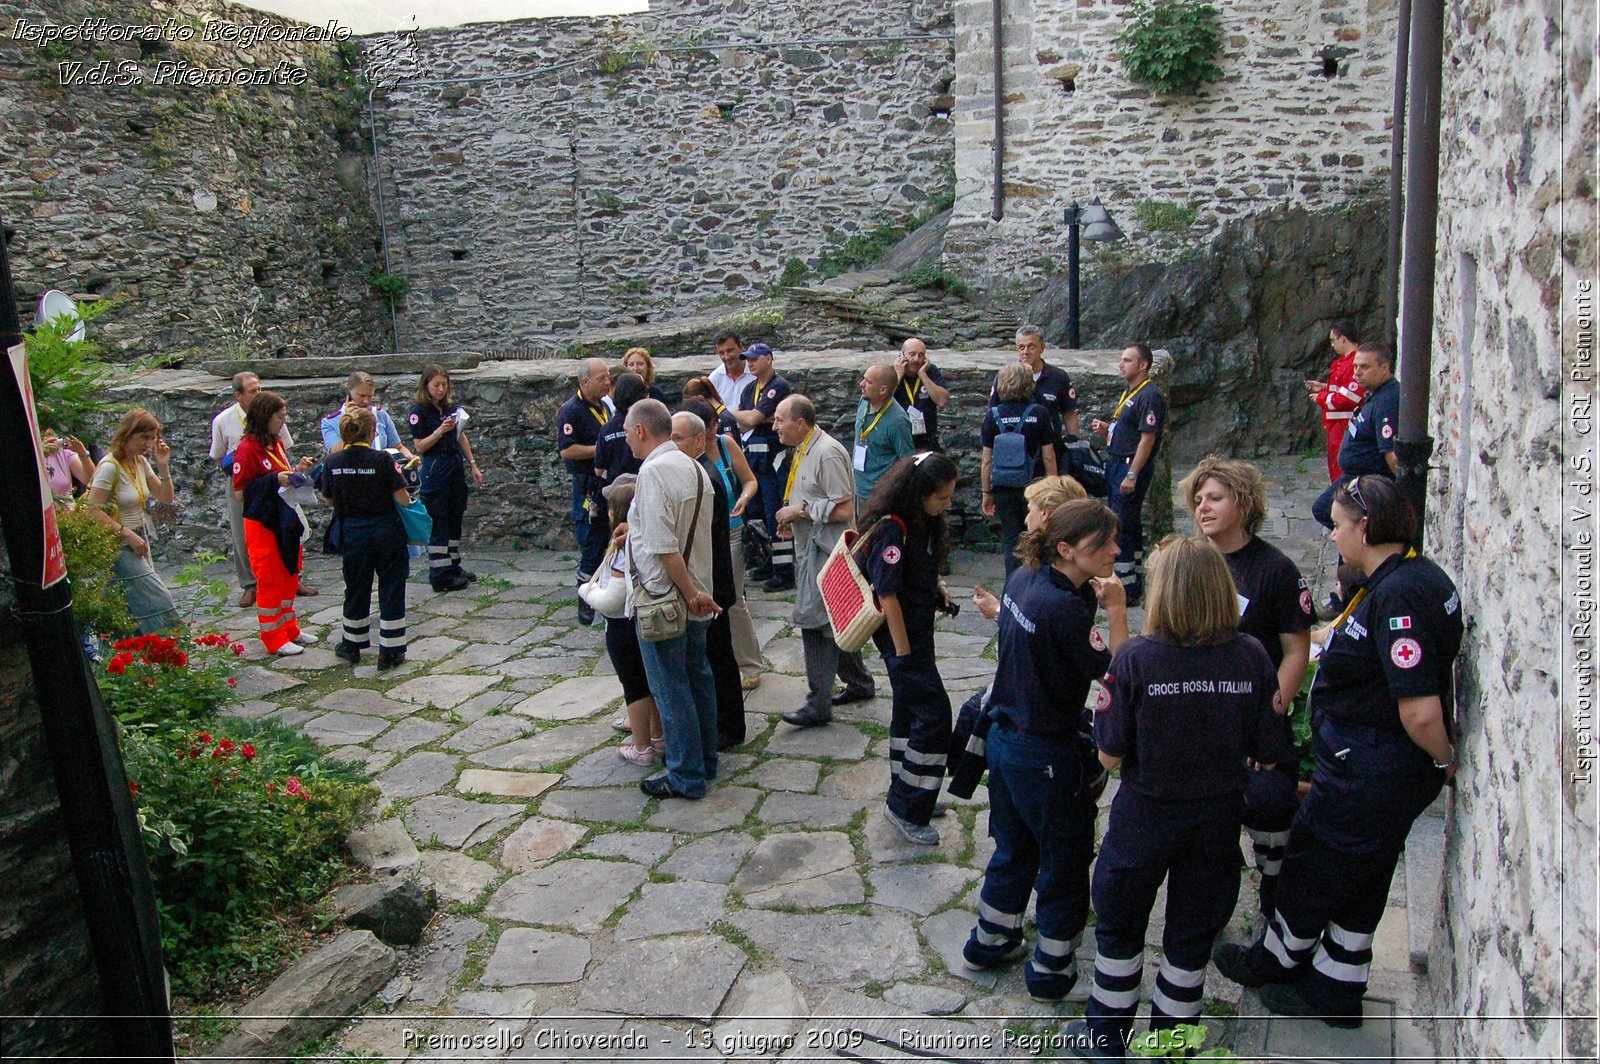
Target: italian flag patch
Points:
(1399, 624)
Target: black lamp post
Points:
(1097, 226)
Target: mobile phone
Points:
(950, 609)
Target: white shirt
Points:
(659, 519)
(227, 429)
(729, 389)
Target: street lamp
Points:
(1096, 223)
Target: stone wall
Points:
(1274, 131)
(513, 406)
(677, 157)
(1516, 233)
(226, 217)
(46, 965)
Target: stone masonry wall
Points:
(513, 406)
(1273, 131)
(229, 218)
(1516, 232)
(658, 170)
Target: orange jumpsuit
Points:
(276, 586)
(1338, 402)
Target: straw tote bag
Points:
(853, 609)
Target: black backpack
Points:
(1010, 464)
(1081, 462)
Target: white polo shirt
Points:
(227, 429)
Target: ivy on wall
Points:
(1171, 45)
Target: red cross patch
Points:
(1388, 430)
(415, 418)
(237, 468)
(891, 555)
(1150, 418)
(771, 392)
(1406, 653)
(567, 428)
(1096, 640)
(1072, 393)
(1305, 603)
(1102, 701)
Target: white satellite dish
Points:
(52, 305)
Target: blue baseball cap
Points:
(755, 351)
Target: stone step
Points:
(1424, 864)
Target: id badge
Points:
(919, 421)
(861, 458)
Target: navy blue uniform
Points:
(1053, 390)
(372, 541)
(580, 422)
(612, 455)
(1371, 781)
(1367, 442)
(1273, 600)
(1042, 809)
(1142, 410)
(913, 397)
(1038, 428)
(767, 462)
(444, 492)
(900, 562)
(1183, 719)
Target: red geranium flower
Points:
(133, 788)
(204, 737)
(227, 745)
(233, 682)
(117, 665)
(247, 751)
(291, 786)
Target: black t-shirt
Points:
(1144, 412)
(1053, 390)
(1273, 598)
(1036, 425)
(424, 420)
(912, 393)
(579, 422)
(612, 453)
(901, 563)
(1400, 641)
(362, 482)
(1371, 432)
(762, 447)
(1185, 718)
(1050, 652)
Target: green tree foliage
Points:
(1171, 45)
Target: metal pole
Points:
(1414, 446)
(1074, 212)
(997, 211)
(102, 829)
(1397, 159)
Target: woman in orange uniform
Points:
(272, 529)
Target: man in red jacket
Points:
(1339, 395)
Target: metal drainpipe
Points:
(383, 228)
(1414, 446)
(1397, 158)
(997, 211)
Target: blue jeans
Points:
(686, 695)
(1042, 823)
(149, 601)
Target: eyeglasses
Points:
(1353, 490)
(683, 437)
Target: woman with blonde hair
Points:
(638, 360)
(120, 492)
(1044, 496)
(1229, 500)
(1181, 708)
(1019, 442)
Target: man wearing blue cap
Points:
(767, 459)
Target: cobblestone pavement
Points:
(777, 912)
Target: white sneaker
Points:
(289, 650)
(306, 639)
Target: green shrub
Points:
(161, 683)
(794, 273)
(1300, 723)
(1171, 44)
(1159, 216)
(932, 275)
(391, 286)
(91, 550)
(240, 830)
(71, 384)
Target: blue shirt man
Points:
(883, 430)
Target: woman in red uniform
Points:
(260, 467)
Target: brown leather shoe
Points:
(307, 590)
(248, 598)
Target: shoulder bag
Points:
(854, 612)
(665, 616)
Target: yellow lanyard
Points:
(1127, 397)
(276, 456)
(1360, 595)
(243, 421)
(799, 456)
(721, 408)
(868, 432)
(140, 488)
(599, 414)
(911, 392)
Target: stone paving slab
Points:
(538, 840)
(383, 847)
(834, 950)
(339, 729)
(713, 859)
(920, 888)
(457, 877)
(524, 956)
(720, 809)
(673, 908)
(546, 748)
(578, 893)
(810, 810)
(487, 732)
(407, 735)
(444, 690)
(839, 741)
(418, 775)
(574, 699)
(604, 768)
(457, 822)
(702, 969)
(363, 700)
(801, 870)
(506, 784)
(645, 847)
(611, 805)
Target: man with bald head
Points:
(578, 425)
(921, 393)
(883, 430)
